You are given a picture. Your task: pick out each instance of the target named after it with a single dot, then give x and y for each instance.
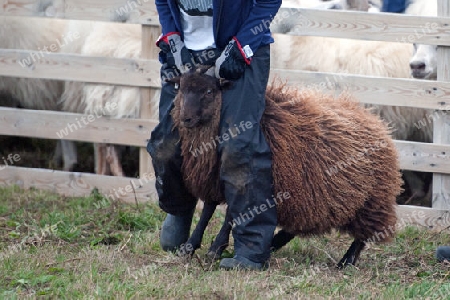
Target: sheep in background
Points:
(423, 65)
(283, 22)
(21, 33)
(71, 98)
(422, 8)
(375, 6)
(360, 5)
(123, 41)
(304, 3)
(424, 62)
(40, 35)
(110, 40)
(372, 58)
(350, 161)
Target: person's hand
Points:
(178, 55)
(232, 62)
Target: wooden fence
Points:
(144, 73)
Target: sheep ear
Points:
(224, 83)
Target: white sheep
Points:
(73, 90)
(306, 3)
(286, 20)
(40, 35)
(424, 62)
(108, 40)
(372, 58)
(422, 8)
(383, 59)
(361, 5)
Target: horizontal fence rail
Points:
(120, 71)
(375, 90)
(414, 156)
(330, 23)
(130, 190)
(368, 26)
(76, 127)
(145, 73)
(131, 11)
(424, 157)
(74, 184)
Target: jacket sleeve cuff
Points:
(246, 51)
(165, 37)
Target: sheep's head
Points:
(199, 97)
(423, 65)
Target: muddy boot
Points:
(241, 263)
(175, 231)
(443, 253)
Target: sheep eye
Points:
(209, 92)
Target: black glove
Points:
(178, 55)
(233, 60)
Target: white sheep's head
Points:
(424, 62)
(199, 95)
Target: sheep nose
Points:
(417, 65)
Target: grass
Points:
(53, 247)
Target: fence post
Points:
(441, 131)
(150, 34)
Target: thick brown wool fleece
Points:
(336, 160)
(201, 172)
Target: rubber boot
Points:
(443, 253)
(175, 231)
(241, 263)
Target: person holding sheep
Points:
(234, 36)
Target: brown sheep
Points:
(334, 160)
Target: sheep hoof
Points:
(216, 249)
(352, 254)
(186, 250)
(344, 263)
(213, 256)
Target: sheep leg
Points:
(415, 183)
(222, 239)
(69, 153)
(280, 239)
(113, 160)
(58, 155)
(100, 159)
(195, 240)
(352, 254)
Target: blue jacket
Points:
(394, 6)
(248, 20)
